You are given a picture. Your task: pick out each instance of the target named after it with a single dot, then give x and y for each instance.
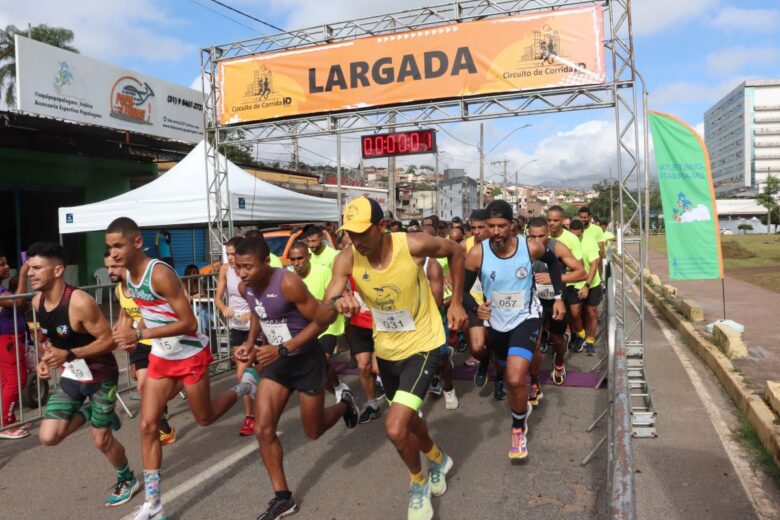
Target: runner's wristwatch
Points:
(282, 350)
(71, 356)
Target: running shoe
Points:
(518, 451)
(559, 375)
(436, 475)
(461, 343)
(380, 390)
(450, 402)
(351, 415)
(420, 507)
(124, 490)
(590, 348)
(535, 394)
(339, 390)
(499, 390)
(481, 375)
(248, 428)
(279, 508)
(576, 344)
(435, 388)
(369, 414)
(149, 511)
(471, 361)
(168, 438)
(14, 434)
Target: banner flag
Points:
(688, 200)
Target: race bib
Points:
(168, 346)
(545, 291)
(275, 333)
(236, 323)
(77, 370)
(477, 287)
(508, 301)
(394, 321)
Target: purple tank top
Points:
(272, 309)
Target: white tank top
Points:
(236, 301)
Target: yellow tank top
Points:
(396, 295)
(130, 307)
(476, 290)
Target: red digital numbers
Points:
(400, 143)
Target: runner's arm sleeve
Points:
(469, 303)
(554, 268)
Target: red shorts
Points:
(189, 370)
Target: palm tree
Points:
(56, 36)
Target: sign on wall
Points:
(531, 51)
(54, 82)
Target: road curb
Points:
(757, 412)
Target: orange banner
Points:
(525, 52)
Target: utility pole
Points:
(611, 207)
(296, 154)
(481, 165)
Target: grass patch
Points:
(768, 280)
(733, 250)
(747, 436)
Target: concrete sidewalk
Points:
(751, 305)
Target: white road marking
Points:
(751, 483)
(206, 475)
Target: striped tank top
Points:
(509, 286)
(157, 312)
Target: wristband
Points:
(71, 356)
(557, 297)
(139, 335)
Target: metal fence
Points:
(201, 291)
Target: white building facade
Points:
(742, 133)
(459, 196)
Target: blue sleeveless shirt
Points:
(509, 284)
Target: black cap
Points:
(499, 209)
(456, 219)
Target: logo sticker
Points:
(62, 330)
(131, 101)
(521, 273)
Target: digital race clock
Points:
(400, 143)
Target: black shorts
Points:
(570, 296)
(361, 340)
(595, 296)
(520, 341)
(304, 372)
(238, 337)
(139, 357)
(328, 343)
(555, 326)
(406, 381)
(474, 321)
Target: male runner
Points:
(139, 357)
(539, 232)
(179, 352)
(590, 230)
(79, 342)
(504, 264)
(590, 293)
(237, 312)
(321, 253)
(407, 331)
(316, 278)
(555, 222)
(292, 360)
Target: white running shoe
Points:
(252, 378)
(339, 391)
(450, 400)
(150, 512)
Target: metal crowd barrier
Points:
(201, 290)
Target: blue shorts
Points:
(520, 341)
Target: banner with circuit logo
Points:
(57, 83)
(560, 48)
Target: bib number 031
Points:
(393, 321)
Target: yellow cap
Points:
(360, 214)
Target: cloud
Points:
(687, 92)
(107, 30)
(654, 16)
(734, 59)
(699, 127)
(734, 19)
(699, 213)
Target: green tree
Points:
(768, 199)
(56, 36)
(745, 228)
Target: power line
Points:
(242, 13)
(223, 15)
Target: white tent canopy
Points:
(178, 198)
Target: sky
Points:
(691, 53)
